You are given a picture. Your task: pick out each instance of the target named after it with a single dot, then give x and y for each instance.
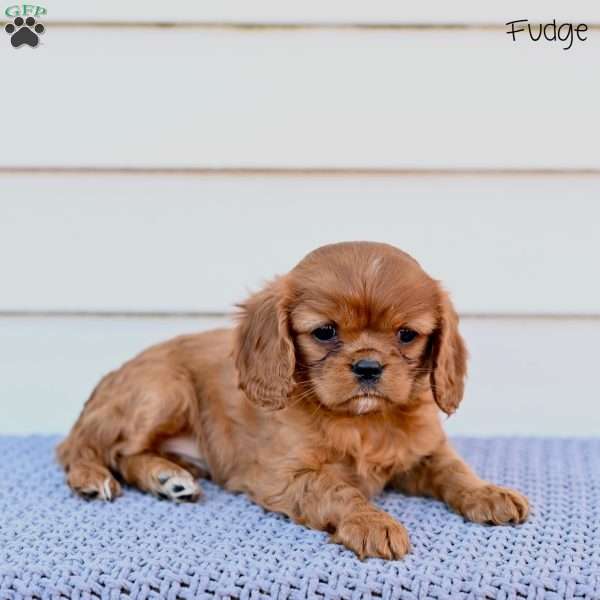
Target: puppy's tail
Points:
(85, 453)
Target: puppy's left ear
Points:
(264, 351)
(449, 358)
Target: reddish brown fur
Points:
(280, 416)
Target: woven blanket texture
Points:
(55, 545)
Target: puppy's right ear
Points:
(264, 352)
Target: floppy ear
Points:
(264, 351)
(449, 364)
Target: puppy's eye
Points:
(326, 333)
(406, 335)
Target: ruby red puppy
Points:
(327, 391)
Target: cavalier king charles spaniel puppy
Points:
(328, 391)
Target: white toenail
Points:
(106, 489)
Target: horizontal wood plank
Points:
(188, 243)
(210, 98)
(313, 11)
(522, 381)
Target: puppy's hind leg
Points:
(152, 473)
(121, 426)
(87, 469)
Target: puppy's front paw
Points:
(493, 505)
(373, 534)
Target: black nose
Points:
(367, 369)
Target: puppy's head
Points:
(357, 327)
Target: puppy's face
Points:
(356, 327)
(358, 359)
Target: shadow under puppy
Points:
(328, 390)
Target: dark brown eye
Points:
(406, 336)
(326, 333)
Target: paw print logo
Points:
(24, 32)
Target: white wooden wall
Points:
(158, 160)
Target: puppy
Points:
(328, 390)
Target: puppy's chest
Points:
(378, 452)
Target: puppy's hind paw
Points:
(108, 490)
(178, 486)
(94, 483)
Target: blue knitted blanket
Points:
(54, 545)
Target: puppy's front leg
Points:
(445, 476)
(324, 498)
